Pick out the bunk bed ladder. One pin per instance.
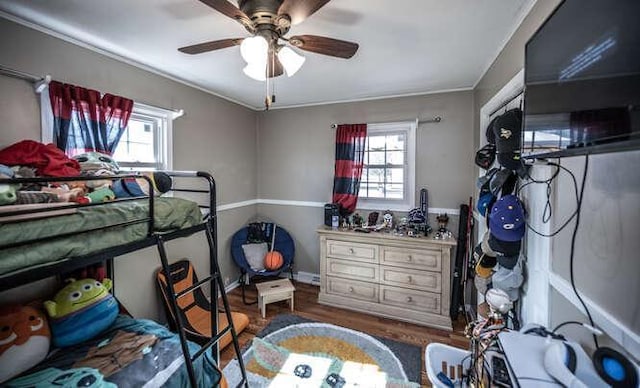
(217, 288)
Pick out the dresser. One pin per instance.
(399, 277)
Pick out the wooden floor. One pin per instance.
(307, 306)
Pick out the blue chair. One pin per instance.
(283, 243)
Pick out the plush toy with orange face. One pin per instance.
(24, 339)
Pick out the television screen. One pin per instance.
(582, 80)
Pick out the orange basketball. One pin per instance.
(273, 260)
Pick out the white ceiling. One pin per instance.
(406, 46)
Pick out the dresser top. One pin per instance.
(386, 236)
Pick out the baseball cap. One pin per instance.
(498, 180)
(491, 138)
(484, 202)
(483, 182)
(484, 262)
(485, 156)
(486, 248)
(504, 248)
(507, 129)
(506, 220)
(508, 262)
(162, 182)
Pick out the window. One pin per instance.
(388, 176)
(146, 143)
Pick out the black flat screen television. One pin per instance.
(582, 80)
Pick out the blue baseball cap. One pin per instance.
(507, 219)
(484, 201)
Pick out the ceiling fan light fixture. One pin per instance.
(254, 50)
(257, 71)
(291, 60)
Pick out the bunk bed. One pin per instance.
(37, 242)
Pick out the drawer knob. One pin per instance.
(409, 258)
(351, 250)
(351, 289)
(409, 299)
(409, 279)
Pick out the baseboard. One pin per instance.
(232, 286)
(305, 277)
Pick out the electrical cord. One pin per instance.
(573, 247)
(547, 213)
(588, 327)
(576, 214)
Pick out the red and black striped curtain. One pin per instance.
(84, 121)
(350, 143)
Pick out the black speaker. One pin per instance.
(615, 368)
(330, 210)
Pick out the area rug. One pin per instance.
(296, 352)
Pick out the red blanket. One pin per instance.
(47, 159)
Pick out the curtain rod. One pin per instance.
(39, 82)
(507, 101)
(434, 119)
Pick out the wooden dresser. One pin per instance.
(404, 278)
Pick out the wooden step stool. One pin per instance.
(274, 291)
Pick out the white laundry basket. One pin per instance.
(435, 353)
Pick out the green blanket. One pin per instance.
(170, 214)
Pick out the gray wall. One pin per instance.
(214, 135)
(296, 158)
(607, 244)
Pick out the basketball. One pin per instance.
(273, 260)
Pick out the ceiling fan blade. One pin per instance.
(324, 45)
(298, 10)
(226, 8)
(210, 46)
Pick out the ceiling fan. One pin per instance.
(268, 21)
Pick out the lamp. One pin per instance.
(291, 61)
(254, 50)
(257, 71)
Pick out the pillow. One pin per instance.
(255, 253)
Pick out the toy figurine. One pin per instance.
(357, 220)
(373, 219)
(388, 219)
(442, 219)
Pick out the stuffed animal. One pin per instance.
(81, 310)
(24, 339)
(103, 194)
(139, 187)
(7, 191)
(94, 161)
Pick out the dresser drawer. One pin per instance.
(352, 251)
(411, 278)
(426, 259)
(410, 299)
(352, 289)
(353, 270)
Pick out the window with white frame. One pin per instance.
(146, 143)
(388, 176)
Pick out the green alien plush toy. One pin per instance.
(80, 311)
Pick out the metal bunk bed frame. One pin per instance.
(209, 226)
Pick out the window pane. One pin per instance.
(395, 175)
(395, 157)
(377, 143)
(376, 158)
(394, 191)
(376, 190)
(137, 143)
(376, 175)
(395, 142)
